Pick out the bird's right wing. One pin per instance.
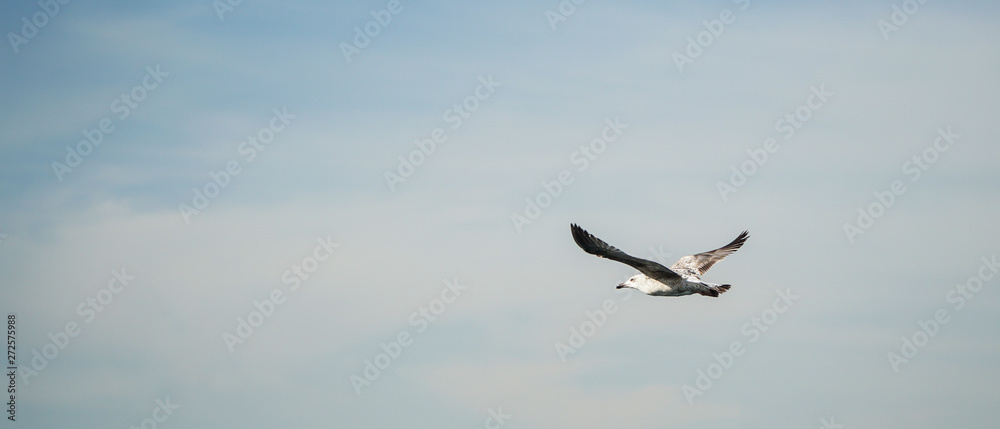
(596, 246)
(697, 264)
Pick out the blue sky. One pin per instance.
(522, 288)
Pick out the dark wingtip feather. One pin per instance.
(590, 244)
(738, 242)
(580, 236)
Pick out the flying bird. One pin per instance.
(683, 278)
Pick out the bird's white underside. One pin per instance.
(667, 287)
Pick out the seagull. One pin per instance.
(683, 278)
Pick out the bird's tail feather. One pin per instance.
(714, 291)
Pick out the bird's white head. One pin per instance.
(635, 282)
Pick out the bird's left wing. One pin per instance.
(596, 246)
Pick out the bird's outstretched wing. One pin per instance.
(699, 263)
(596, 246)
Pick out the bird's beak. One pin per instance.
(620, 286)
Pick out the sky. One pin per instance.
(303, 214)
